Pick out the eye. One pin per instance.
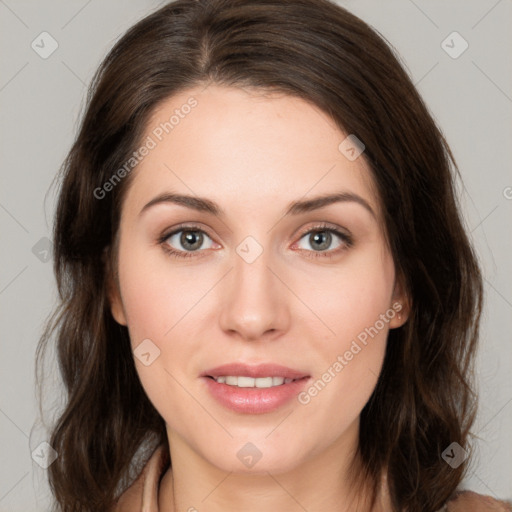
(188, 241)
(184, 241)
(321, 238)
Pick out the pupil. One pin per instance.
(318, 236)
(187, 239)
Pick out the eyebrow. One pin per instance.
(202, 204)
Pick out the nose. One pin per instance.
(254, 301)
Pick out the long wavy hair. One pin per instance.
(424, 399)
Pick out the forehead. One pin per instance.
(246, 146)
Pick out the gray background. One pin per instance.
(41, 100)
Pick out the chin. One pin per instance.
(258, 457)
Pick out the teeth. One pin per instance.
(250, 382)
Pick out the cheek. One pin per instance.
(158, 306)
(356, 306)
(161, 305)
(350, 300)
(156, 299)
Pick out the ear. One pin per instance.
(112, 288)
(400, 304)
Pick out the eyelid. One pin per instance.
(185, 226)
(322, 225)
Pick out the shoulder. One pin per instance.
(131, 499)
(142, 494)
(468, 501)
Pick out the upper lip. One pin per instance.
(255, 371)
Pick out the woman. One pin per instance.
(312, 347)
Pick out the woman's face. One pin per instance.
(251, 281)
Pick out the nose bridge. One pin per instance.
(253, 302)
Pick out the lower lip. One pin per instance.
(254, 400)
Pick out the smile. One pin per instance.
(250, 382)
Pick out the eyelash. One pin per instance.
(345, 238)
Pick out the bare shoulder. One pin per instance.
(468, 501)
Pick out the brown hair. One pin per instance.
(315, 50)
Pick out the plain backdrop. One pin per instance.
(469, 93)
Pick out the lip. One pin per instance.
(254, 400)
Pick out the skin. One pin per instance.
(253, 154)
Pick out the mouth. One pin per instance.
(251, 389)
